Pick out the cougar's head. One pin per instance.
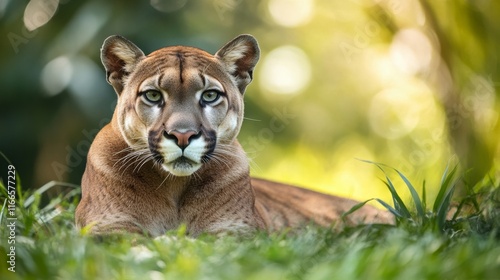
(179, 105)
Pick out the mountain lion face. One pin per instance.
(179, 106)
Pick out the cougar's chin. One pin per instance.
(181, 166)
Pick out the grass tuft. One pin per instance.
(420, 217)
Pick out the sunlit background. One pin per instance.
(412, 84)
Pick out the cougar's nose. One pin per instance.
(182, 138)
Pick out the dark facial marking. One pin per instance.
(210, 138)
(152, 146)
(181, 61)
(202, 79)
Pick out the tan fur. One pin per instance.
(160, 164)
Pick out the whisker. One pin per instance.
(254, 165)
(166, 177)
(250, 119)
(196, 176)
(143, 161)
(138, 157)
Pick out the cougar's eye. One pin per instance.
(209, 96)
(152, 96)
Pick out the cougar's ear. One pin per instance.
(119, 56)
(240, 57)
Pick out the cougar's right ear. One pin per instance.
(119, 56)
(240, 57)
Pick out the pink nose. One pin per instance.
(183, 138)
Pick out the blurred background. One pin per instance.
(412, 84)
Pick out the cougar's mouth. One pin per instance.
(183, 162)
(182, 166)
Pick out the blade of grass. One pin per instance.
(45, 188)
(56, 201)
(445, 182)
(5, 157)
(3, 210)
(424, 196)
(443, 208)
(361, 204)
(414, 194)
(398, 202)
(399, 205)
(355, 208)
(394, 201)
(389, 208)
(463, 202)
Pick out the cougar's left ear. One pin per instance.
(119, 56)
(240, 57)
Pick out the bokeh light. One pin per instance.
(56, 75)
(168, 6)
(396, 112)
(39, 12)
(285, 70)
(411, 51)
(291, 13)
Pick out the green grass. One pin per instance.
(423, 245)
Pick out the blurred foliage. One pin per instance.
(408, 83)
